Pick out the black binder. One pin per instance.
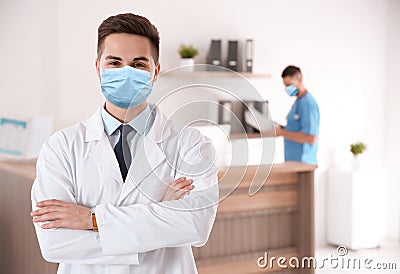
(214, 54)
(232, 62)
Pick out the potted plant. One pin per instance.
(357, 149)
(187, 53)
(356, 203)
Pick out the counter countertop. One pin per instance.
(25, 170)
(28, 170)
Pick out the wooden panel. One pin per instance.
(285, 207)
(305, 217)
(241, 177)
(20, 251)
(281, 179)
(247, 233)
(245, 266)
(286, 167)
(230, 182)
(262, 200)
(24, 170)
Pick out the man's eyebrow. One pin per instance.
(141, 58)
(113, 58)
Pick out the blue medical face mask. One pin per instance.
(292, 90)
(125, 87)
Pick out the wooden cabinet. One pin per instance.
(19, 248)
(278, 219)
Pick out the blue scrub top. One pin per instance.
(303, 117)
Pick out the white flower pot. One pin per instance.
(186, 64)
(358, 162)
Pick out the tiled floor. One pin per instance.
(388, 253)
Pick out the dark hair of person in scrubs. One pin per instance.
(290, 71)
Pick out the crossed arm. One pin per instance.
(60, 214)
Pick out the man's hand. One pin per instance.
(279, 131)
(178, 189)
(61, 214)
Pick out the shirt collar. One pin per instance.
(138, 123)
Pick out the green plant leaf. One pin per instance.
(187, 51)
(357, 148)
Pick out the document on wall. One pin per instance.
(12, 136)
(22, 139)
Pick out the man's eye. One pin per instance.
(139, 65)
(113, 63)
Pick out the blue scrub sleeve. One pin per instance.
(309, 118)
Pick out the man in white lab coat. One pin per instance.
(127, 190)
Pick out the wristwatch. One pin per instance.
(94, 222)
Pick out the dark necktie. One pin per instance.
(122, 151)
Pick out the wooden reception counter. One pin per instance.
(19, 249)
(278, 219)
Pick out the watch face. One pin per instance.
(93, 210)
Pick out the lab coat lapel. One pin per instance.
(102, 151)
(146, 161)
(108, 164)
(148, 156)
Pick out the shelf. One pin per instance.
(214, 74)
(220, 85)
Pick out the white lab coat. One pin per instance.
(137, 232)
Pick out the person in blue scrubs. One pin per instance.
(302, 129)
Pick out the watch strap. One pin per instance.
(94, 221)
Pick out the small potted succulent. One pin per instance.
(356, 149)
(187, 53)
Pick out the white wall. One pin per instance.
(392, 114)
(341, 46)
(29, 57)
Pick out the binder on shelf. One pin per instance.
(232, 113)
(232, 62)
(214, 54)
(248, 55)
(224, 112)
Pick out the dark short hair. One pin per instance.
(290, 71)
(131, 24)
